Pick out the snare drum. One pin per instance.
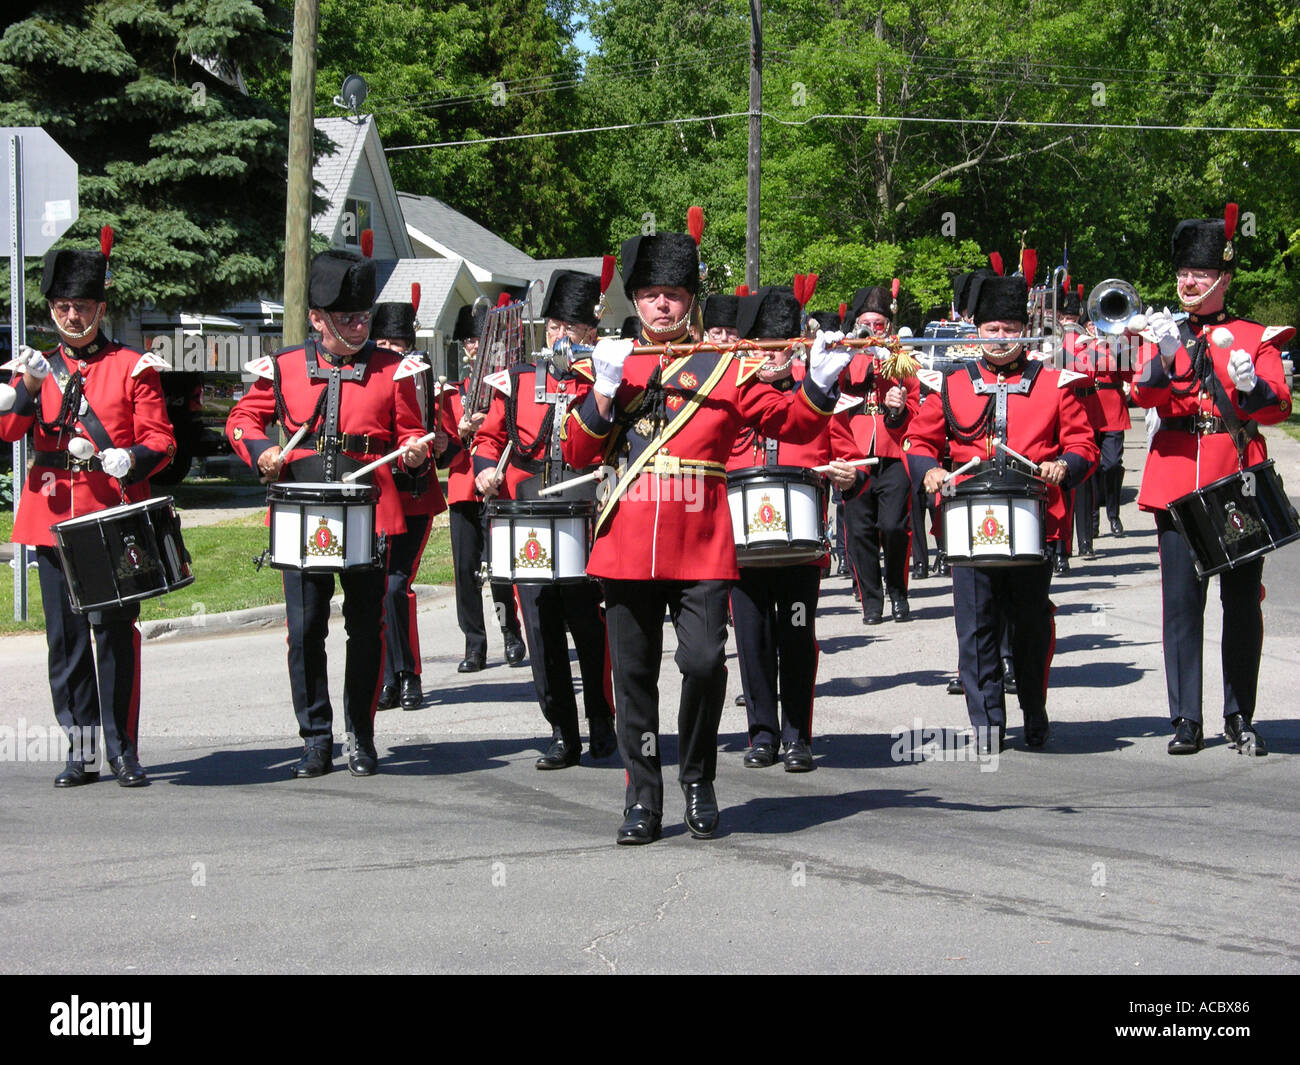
(778, 515)
(988, 523)
(539, 541)
(1236, 519)
(323, 525)
(123, 554)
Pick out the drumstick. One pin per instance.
(855, 462)
(349, 477)
(598, 474)
(1016, 455)
(961, 469)
(505, 457)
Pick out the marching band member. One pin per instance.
(90, 388)
(1078, 356)
(879, 516)
(343, 388)
(530, 426)
(393, 328)
(664, 537)
(1211, 401)
(466, 521)
(1024, 404)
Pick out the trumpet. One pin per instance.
(1112, 305)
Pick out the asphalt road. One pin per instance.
(1100, 854)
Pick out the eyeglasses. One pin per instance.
(1196, 275)
(360, 318)
(82, 307)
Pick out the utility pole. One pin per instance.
(755, 141)
(297, 215)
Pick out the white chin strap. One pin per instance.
(329, 324)
(88, 331)
(676, 327)
(1191, 302)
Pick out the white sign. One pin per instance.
(49, 190)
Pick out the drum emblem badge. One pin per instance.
(991, 531)
(324, 544)
(1238, 525)
(532, 555)
(134, 561)
(767, 517)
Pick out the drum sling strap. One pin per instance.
(1204, 364)
(669, 430)
(1000, 390)
(88, 418)
(333, 375)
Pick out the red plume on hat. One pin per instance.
(695, 223)
(415, 296)
(995, 261)
(844, 309)
(1080, 291)
(367, 242)
(809, 286)
(606, 276)
(1229, 229)
(1028, 264)
(503, 299)
(106, 241)
(893, 297)
(742, 290)
(798, 288)
(1065, 284)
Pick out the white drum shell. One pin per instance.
(539, 548)
(777, 519)
(333, 533)
(993, 528)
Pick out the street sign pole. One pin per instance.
(17, 337)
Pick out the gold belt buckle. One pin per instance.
(667, 465)
(1204, 424)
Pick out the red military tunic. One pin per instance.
(1180, 461)
(430, 500)
(1079, 357)
(1102, 360)
(124, 392)
(872, 436)
(1043, 424)
(530, 415)
(672, 522)
(376, 406)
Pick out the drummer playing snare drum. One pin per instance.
(1004, 397)
(107, 398)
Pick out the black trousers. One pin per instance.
(880, 516)
(1110, 473)
(926, 517)
(982, 599)
(307, 595)
(634, 617)
(773, 611)
(402, 644)
(1083, 502)
(467, 543)
(547, 610)
(1183, 596)
(94, 667)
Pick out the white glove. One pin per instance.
(7, 398)
(34, 362)
(608, 357)
(1241, 370)
(116, 462)
(1165, 331)
(825, 361)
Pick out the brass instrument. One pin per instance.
(502, 344)
(1112, 305)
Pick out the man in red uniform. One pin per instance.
(344, 389)
(879, 516)
(393, 328)
(93, 389)
(664, 538)
(1211, 400)
(528, 417)
(466, 520)
(774, 608)
(1028, 407)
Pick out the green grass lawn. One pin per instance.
(224, 575)
(1292, 425)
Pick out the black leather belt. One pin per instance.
(1205, 425)
(1091, 390)
(1110, 385)
(63, 460)
(354, 443)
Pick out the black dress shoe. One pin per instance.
(516, 650)
(701, 809)
(984, 738)
(1096, 524)
(388, 697)
(941, 567)
(900, 610)
(639, 826)
(560, 755)
(75, 774)
(603, 740)
(128, 772)
(760, 756)
(1036, 728)
(874, 619)
(364, 759)
(1009, 677)
(955, 687)
(315, 762)
(798, 757)
(472, 664)
(1188, 738)
(920, 571)
(1116, 527)
(1242, 735)
(1061, 564)
(411, 695)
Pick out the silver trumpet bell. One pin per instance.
(1112, 305)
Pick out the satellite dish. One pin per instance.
(353, 93)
